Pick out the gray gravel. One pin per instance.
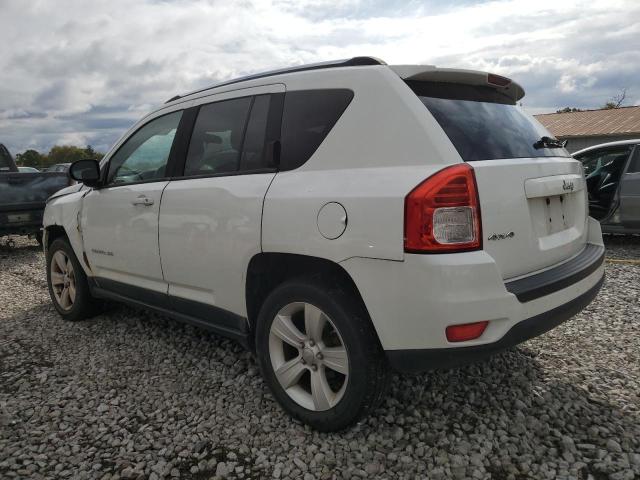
(625, 247)
(134, 395)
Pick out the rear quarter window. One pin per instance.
(307, 118)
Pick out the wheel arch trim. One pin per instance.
(268, 270)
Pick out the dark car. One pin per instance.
(23, 196)
(612, 172)
(59, 167)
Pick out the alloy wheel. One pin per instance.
(63, 280)
(308, 356)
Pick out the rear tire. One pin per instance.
(331, 370)
(68, 284)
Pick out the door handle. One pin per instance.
(142, 200)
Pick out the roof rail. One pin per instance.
(350, 62)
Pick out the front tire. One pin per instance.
(68, 285)
(319, 354)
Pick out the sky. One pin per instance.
(82, 72)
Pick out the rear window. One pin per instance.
(307, 118)
(483, 125)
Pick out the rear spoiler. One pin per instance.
(430, 73)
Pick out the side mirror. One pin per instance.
(86, 171)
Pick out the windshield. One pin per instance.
(488, 130)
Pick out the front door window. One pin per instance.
(144, 156)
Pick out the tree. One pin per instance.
(616, 101)
(568, 110)
(65, 154)
(91, 153)
(30, 158)
(57, 154)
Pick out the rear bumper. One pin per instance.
(411, 303)
(419, 360)
(21, 222)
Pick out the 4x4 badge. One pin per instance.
(501, 236)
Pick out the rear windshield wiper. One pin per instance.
(548, 142)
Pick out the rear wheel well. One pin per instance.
(268, 270)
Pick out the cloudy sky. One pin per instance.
(81, 72)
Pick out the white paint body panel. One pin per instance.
(63, 211)
(120, 238)
(209, 231)
(546, 233)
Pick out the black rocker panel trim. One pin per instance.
(202, 315)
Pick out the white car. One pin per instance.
(338, 219)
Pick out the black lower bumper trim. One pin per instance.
(557, 278)
(420, 360)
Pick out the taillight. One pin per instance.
(442, 214)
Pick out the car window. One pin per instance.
(483, 125)
(216, 141)
(594, 162)
(634, 164)
(144, 156)
(253, 154)
(308, 117)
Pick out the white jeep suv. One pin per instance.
(338, 219)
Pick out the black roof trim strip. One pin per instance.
(350, 62)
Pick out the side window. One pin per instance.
(634, 165)
(144, 156)
(307, 118)
(610, 161)
(216, 141)
(589, 162)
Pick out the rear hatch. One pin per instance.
(532, 193)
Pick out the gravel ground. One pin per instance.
(134, 395)
(621, 247)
